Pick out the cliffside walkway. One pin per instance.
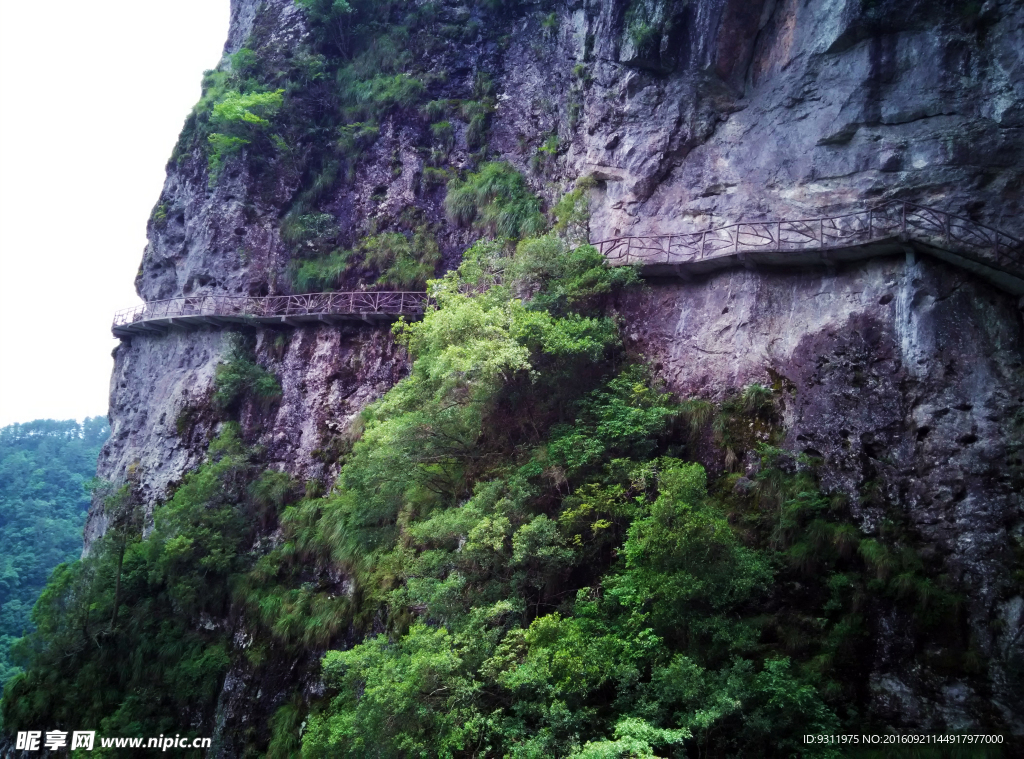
(889, 228)
(156, 317)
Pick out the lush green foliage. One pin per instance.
(240, 377)
(563, 279)
(124, 637)
(321, 274)
(239, 119)
(404, 260)
(232, 115)
(329, 98)
(556, 580)
(520, 552)
(45, 468)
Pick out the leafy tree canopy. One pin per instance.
(46, 467)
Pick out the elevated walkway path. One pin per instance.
(885, 229)
(157, 317)
(889, 228)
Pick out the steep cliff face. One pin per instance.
(778, 111)
(904, 376)
(904, 379)
(782, 109)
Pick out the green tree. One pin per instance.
(125, 638)
(46, 467)
(240, 119)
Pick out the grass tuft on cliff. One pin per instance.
(495, 199)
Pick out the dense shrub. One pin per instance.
(321, 274)
(240, 378)
(530, 561)
(403, 261)
(240, 119)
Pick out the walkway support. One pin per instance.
(291, 310)
(882, 230)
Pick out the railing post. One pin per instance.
(821, 232)
(778, 235)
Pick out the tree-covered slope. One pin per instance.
(45, 467)
(522, 557)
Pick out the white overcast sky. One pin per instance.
(92, 98)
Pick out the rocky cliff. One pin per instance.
(903, 375)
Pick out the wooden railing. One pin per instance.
(276, 308)
(892, 220)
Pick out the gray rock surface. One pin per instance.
(836, 104)
(161, 394)
(905, 376)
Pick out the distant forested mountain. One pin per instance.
(45, 469)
